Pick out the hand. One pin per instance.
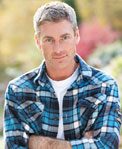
(89, 134)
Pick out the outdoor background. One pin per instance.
(100, 25)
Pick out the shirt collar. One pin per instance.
(41, 76)
(84, 71)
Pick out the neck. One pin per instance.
(62, 74)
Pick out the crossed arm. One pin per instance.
(40, 142)
(105, 122)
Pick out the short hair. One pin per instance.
(54, 12)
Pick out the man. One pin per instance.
(64, 103)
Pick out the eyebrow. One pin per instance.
(47, 37)
(60, 36)
(65, 34)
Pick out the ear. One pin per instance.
(37, 41)
(77, 36)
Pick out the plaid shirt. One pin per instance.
(90, 103)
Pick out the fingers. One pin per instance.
(89, 134)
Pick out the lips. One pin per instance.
(59, 57)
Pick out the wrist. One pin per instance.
(60, 144)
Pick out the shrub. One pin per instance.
(103, 55)
(109, 59)
(93, 34)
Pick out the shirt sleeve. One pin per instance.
(105, 122)
(16, 129)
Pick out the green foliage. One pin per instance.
(109, 11)
(109, 59)
(17, 47)
(116, 71)
(104, 54)
(73, 5)
(18, 51)
(117, 66)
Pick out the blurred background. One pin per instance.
(100, 25)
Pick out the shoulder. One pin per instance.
(99, 77)
(105, 86)
(21, 88)
(24, 81)
(94, 75)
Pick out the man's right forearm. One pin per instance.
(40, 142)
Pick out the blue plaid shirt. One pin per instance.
(90, 103)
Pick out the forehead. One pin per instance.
(56, 28)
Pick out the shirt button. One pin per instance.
(55, 118)
(85, 79)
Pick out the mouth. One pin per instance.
(59, 57)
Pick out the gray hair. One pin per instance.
(54, 12)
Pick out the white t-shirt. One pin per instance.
(60, 88)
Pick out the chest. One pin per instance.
(76, 111)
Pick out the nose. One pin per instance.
(57, 47)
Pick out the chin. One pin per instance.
(61, 66)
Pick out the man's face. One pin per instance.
(58, 42)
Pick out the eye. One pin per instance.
(65, 37)
(48, 40)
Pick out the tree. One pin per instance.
(17, 47)
(72, 4)
(107, 12)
